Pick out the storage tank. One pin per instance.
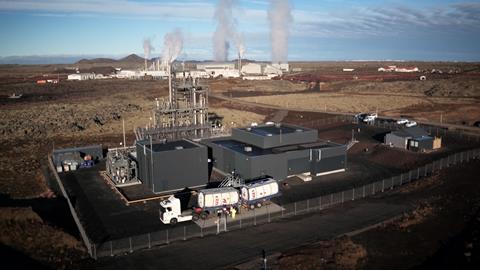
(217, 197)
(261, 190)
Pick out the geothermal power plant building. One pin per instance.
(279, 151)
(172, 165)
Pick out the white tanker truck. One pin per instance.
(214, 200)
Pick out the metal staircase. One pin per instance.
(232, 181)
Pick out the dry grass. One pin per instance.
(341, 253)
(23, 230)
(237, 118)
(338, 102)
(417, 216)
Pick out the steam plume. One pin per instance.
(147, 47)
(280, 18)
(172, 46)
(225, 32)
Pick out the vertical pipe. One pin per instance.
(151, 165)
(124, 140)
(169, 71)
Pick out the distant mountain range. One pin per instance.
(132, 59)
(68, 59)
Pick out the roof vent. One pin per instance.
(247, 149)
(178, 147)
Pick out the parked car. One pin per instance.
(402, 121)
(411, 124)
(370, 117)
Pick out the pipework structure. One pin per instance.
(183, 115)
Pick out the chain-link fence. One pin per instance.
(183, 232)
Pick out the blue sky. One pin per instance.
(320, 30)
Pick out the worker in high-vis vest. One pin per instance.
(233, 212)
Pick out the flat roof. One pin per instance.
(414, 132)
(169, 146)
(239, 147)
(270, 130)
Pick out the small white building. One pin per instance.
(272, 70)
(406, 69)
(284, 67)
(128, 74)
(256, 77)
(81, 76)
(226, 73)
(202, 74)
(348, 69)
(216, 65)
(252, 68)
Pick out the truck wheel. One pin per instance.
(203, 215)
(252, 206)
(259, 205)
(173, 221)
(195, 217)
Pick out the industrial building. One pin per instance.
(414, 139)
(213, 69)
(279, 151)
(81, 76)
(284, 67)
(174, 165)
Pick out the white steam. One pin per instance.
(280, 18)
(172, 46)
(226, 31)
(147, 47)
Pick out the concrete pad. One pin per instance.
(244, 214)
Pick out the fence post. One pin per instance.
(130, 240)
(401, 179)
(391, 188)
(111, 249)
(295, 208)
(184, 233)
(149, 241)
(353, 194)
(320, 203)
(308, 205)
(268, 211)
(331, 199)
(373, 188)
(343, 196)
(383, 185)
(167, 238)
(363, 191)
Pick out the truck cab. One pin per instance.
(171, 211)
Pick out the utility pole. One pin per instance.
(124, 140)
